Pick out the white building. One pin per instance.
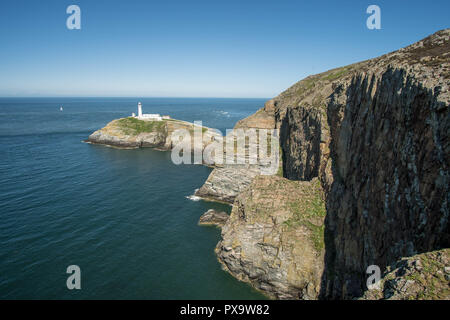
(147, 116)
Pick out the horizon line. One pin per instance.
(134, 97)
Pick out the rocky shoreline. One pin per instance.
(364, 181)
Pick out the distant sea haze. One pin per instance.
(123, 216)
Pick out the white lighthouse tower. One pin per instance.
(139, 110)
(147, 116)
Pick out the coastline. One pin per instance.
(347, 191)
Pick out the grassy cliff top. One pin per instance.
(135, 126)
(427, 60)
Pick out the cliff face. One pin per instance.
(301, 136)
(390, 153)
(376, 135)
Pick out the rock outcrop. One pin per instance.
(213, 218)
(274, 237)
(227, 181)
(424, 276)
(224, 184)
(261, 119)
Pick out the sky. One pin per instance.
(195, 48)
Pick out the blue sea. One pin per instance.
(122, 216)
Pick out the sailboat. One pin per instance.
(61, 108)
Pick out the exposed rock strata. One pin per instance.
(382, 157)
(226, 183)
(390, 192)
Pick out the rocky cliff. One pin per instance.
(376, 135)
(365, 181)
(273, 238)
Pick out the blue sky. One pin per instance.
(195, 48)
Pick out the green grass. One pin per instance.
(308, 209)
(133, 126)
(280, 170)
(305, 85)
(336, 75)
(317, 236)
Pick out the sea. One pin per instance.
(126, 218)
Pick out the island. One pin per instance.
(144, 131)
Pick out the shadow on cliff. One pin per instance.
(389, 197)
(300, 133)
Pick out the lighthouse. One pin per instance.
(139, 110)
(147, 116)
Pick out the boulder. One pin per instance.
(214, 218)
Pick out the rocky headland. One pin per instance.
(364, 180)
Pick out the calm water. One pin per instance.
(121, 215)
